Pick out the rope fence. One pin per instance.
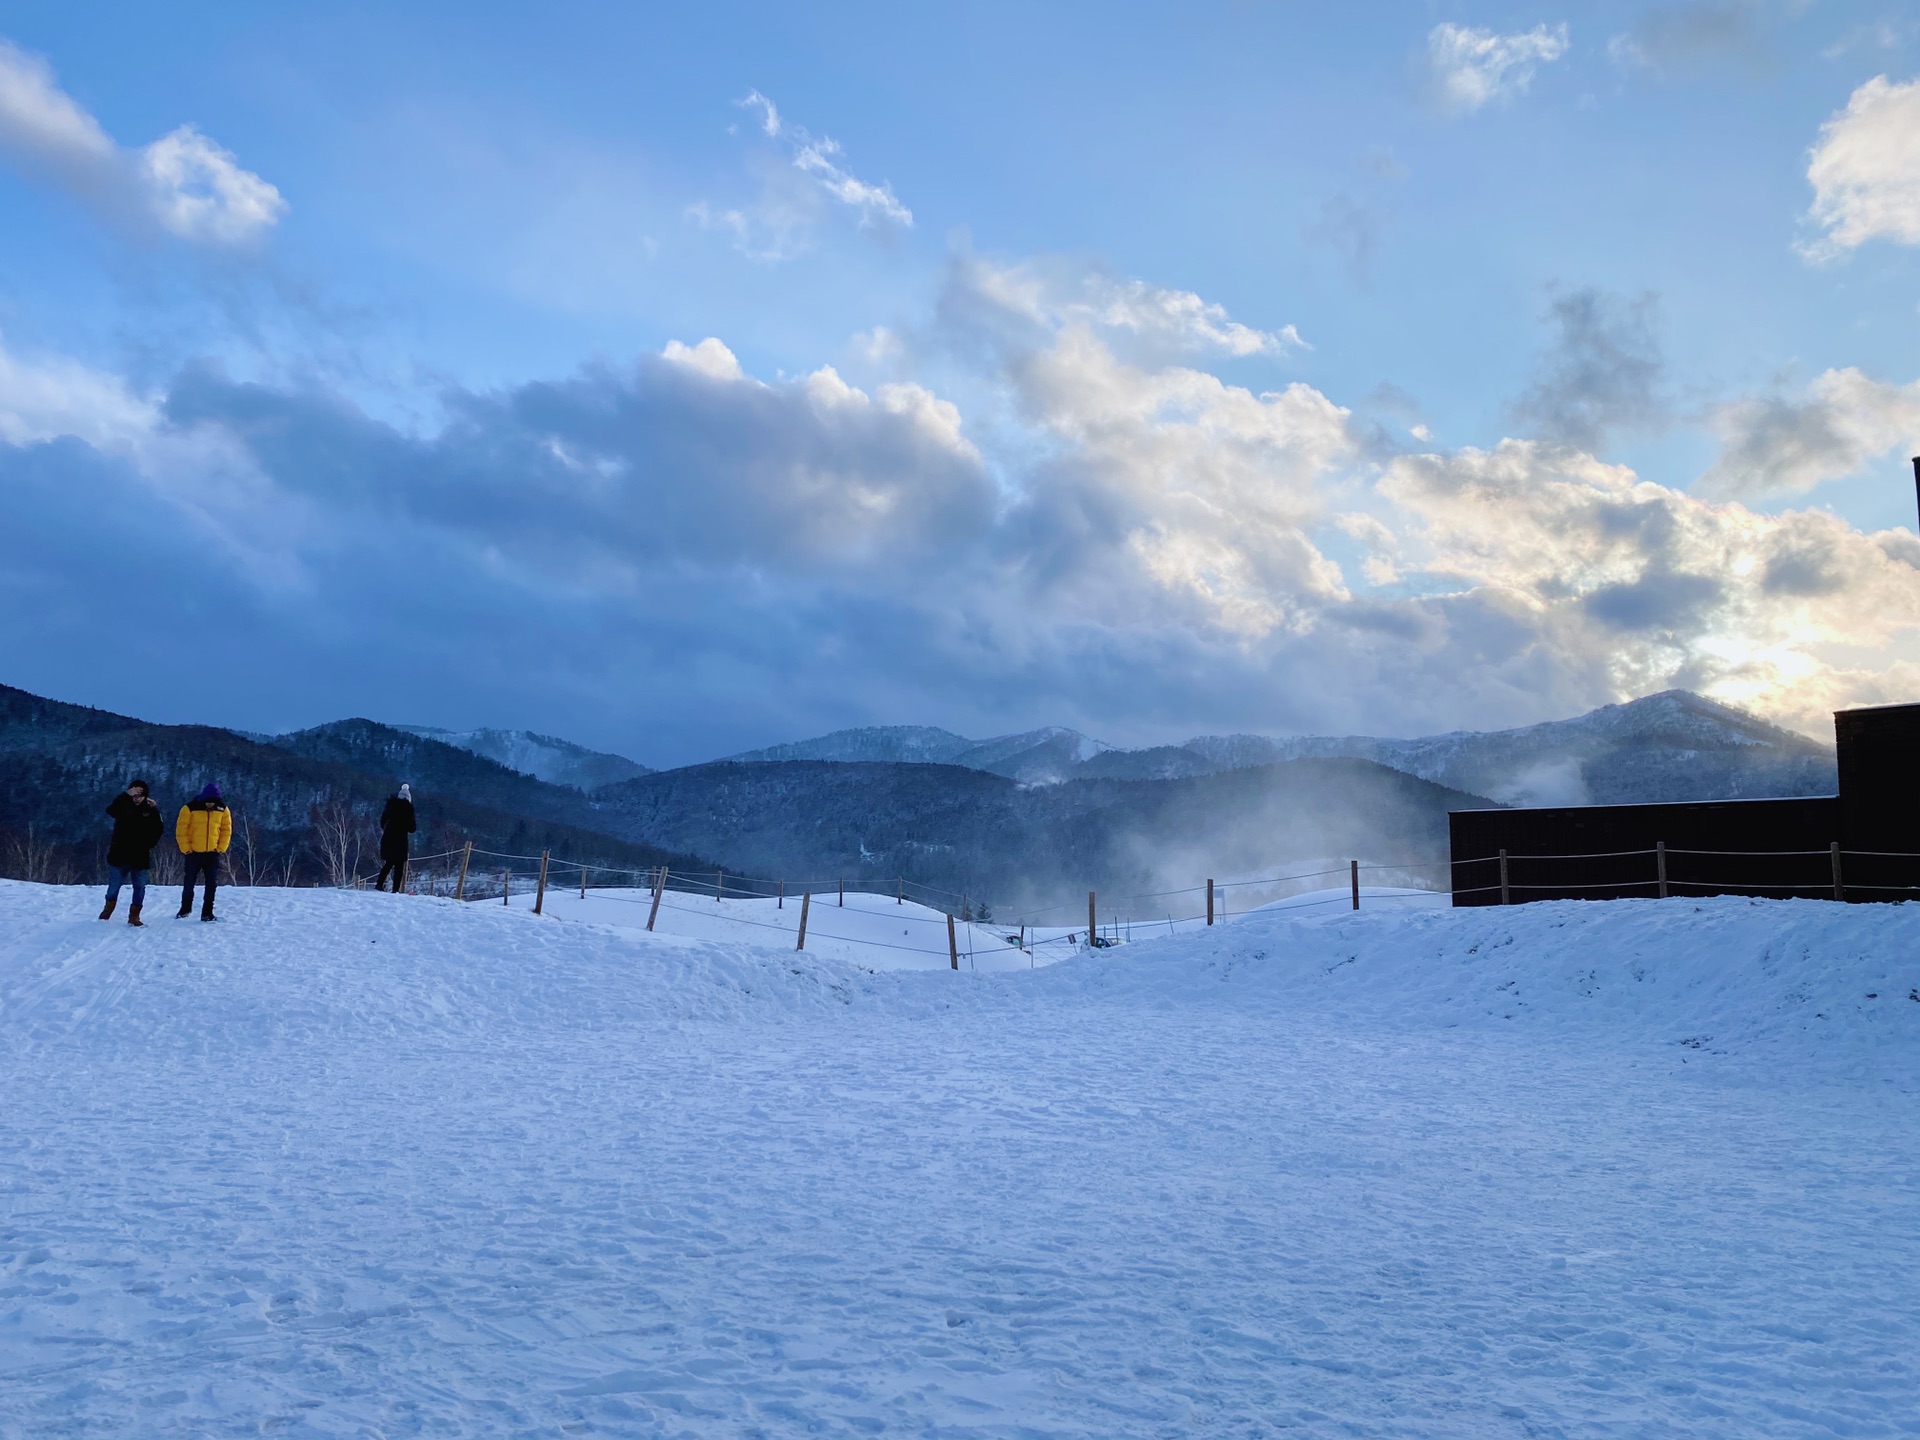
(471, 873)
(1765, 872)
(474, 874)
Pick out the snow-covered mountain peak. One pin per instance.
(545, 757)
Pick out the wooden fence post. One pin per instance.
(953, 945)
(806, 900)
(719, 884)
(506, 884)
(1092, 929)
(900, 891)
(1023, 934)
(1356, 882)
(659, 888)
(583, 882)
(843, 892)
(1209, 902)
(540, 894)
(1506, 895)
(1839, 890)
(781, 903)
(460, 890)
(1660, 865)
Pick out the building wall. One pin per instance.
(1572, 852)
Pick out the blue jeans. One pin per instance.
(116, 877)
(196, 866)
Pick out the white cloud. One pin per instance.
(1774, 446)
(183, 182)
(818, 158)
(41, 121)
(709, 358)
(1474, 67)
(1052, 293)
(1865, 171)
(1183, 317)
(822, 159)
(42, 398)
(199, 193)
(769, 114)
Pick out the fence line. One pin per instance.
(664, 881)
(1832, 879)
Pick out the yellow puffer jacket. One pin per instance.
(203, 828)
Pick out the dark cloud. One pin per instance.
(1656, 601)
(1723, 32)
(1774, 445)
(1351, 228)
(1603, 372)
(1804, 565)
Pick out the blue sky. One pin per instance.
(684, 382)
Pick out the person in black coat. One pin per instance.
(396, 824)
(137, 828)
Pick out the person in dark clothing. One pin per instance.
(396, 824)
(137, 828)
(203, 831)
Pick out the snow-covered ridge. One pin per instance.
(1671, 746)
(545, 757)
(1034, 756)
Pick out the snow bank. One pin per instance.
(355, 1164)
(1803, 982)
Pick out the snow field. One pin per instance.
(355, 1164)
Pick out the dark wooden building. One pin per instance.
(1862, 844)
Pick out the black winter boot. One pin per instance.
(186, 909)
(133, 916)
(106, 912)
(206, 913)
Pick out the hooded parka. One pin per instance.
(205, 827)
(137, 828)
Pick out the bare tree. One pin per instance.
(29, 857)
(246, 859)
(338, 838)
(168, 867)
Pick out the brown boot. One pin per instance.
(133, 916)
(106, 912)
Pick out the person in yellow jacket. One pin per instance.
(203, 832)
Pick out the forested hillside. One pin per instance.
(299, 817)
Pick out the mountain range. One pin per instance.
(1015, 818)
(1671, 746)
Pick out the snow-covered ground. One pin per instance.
(876, 932)
(364, 1165)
